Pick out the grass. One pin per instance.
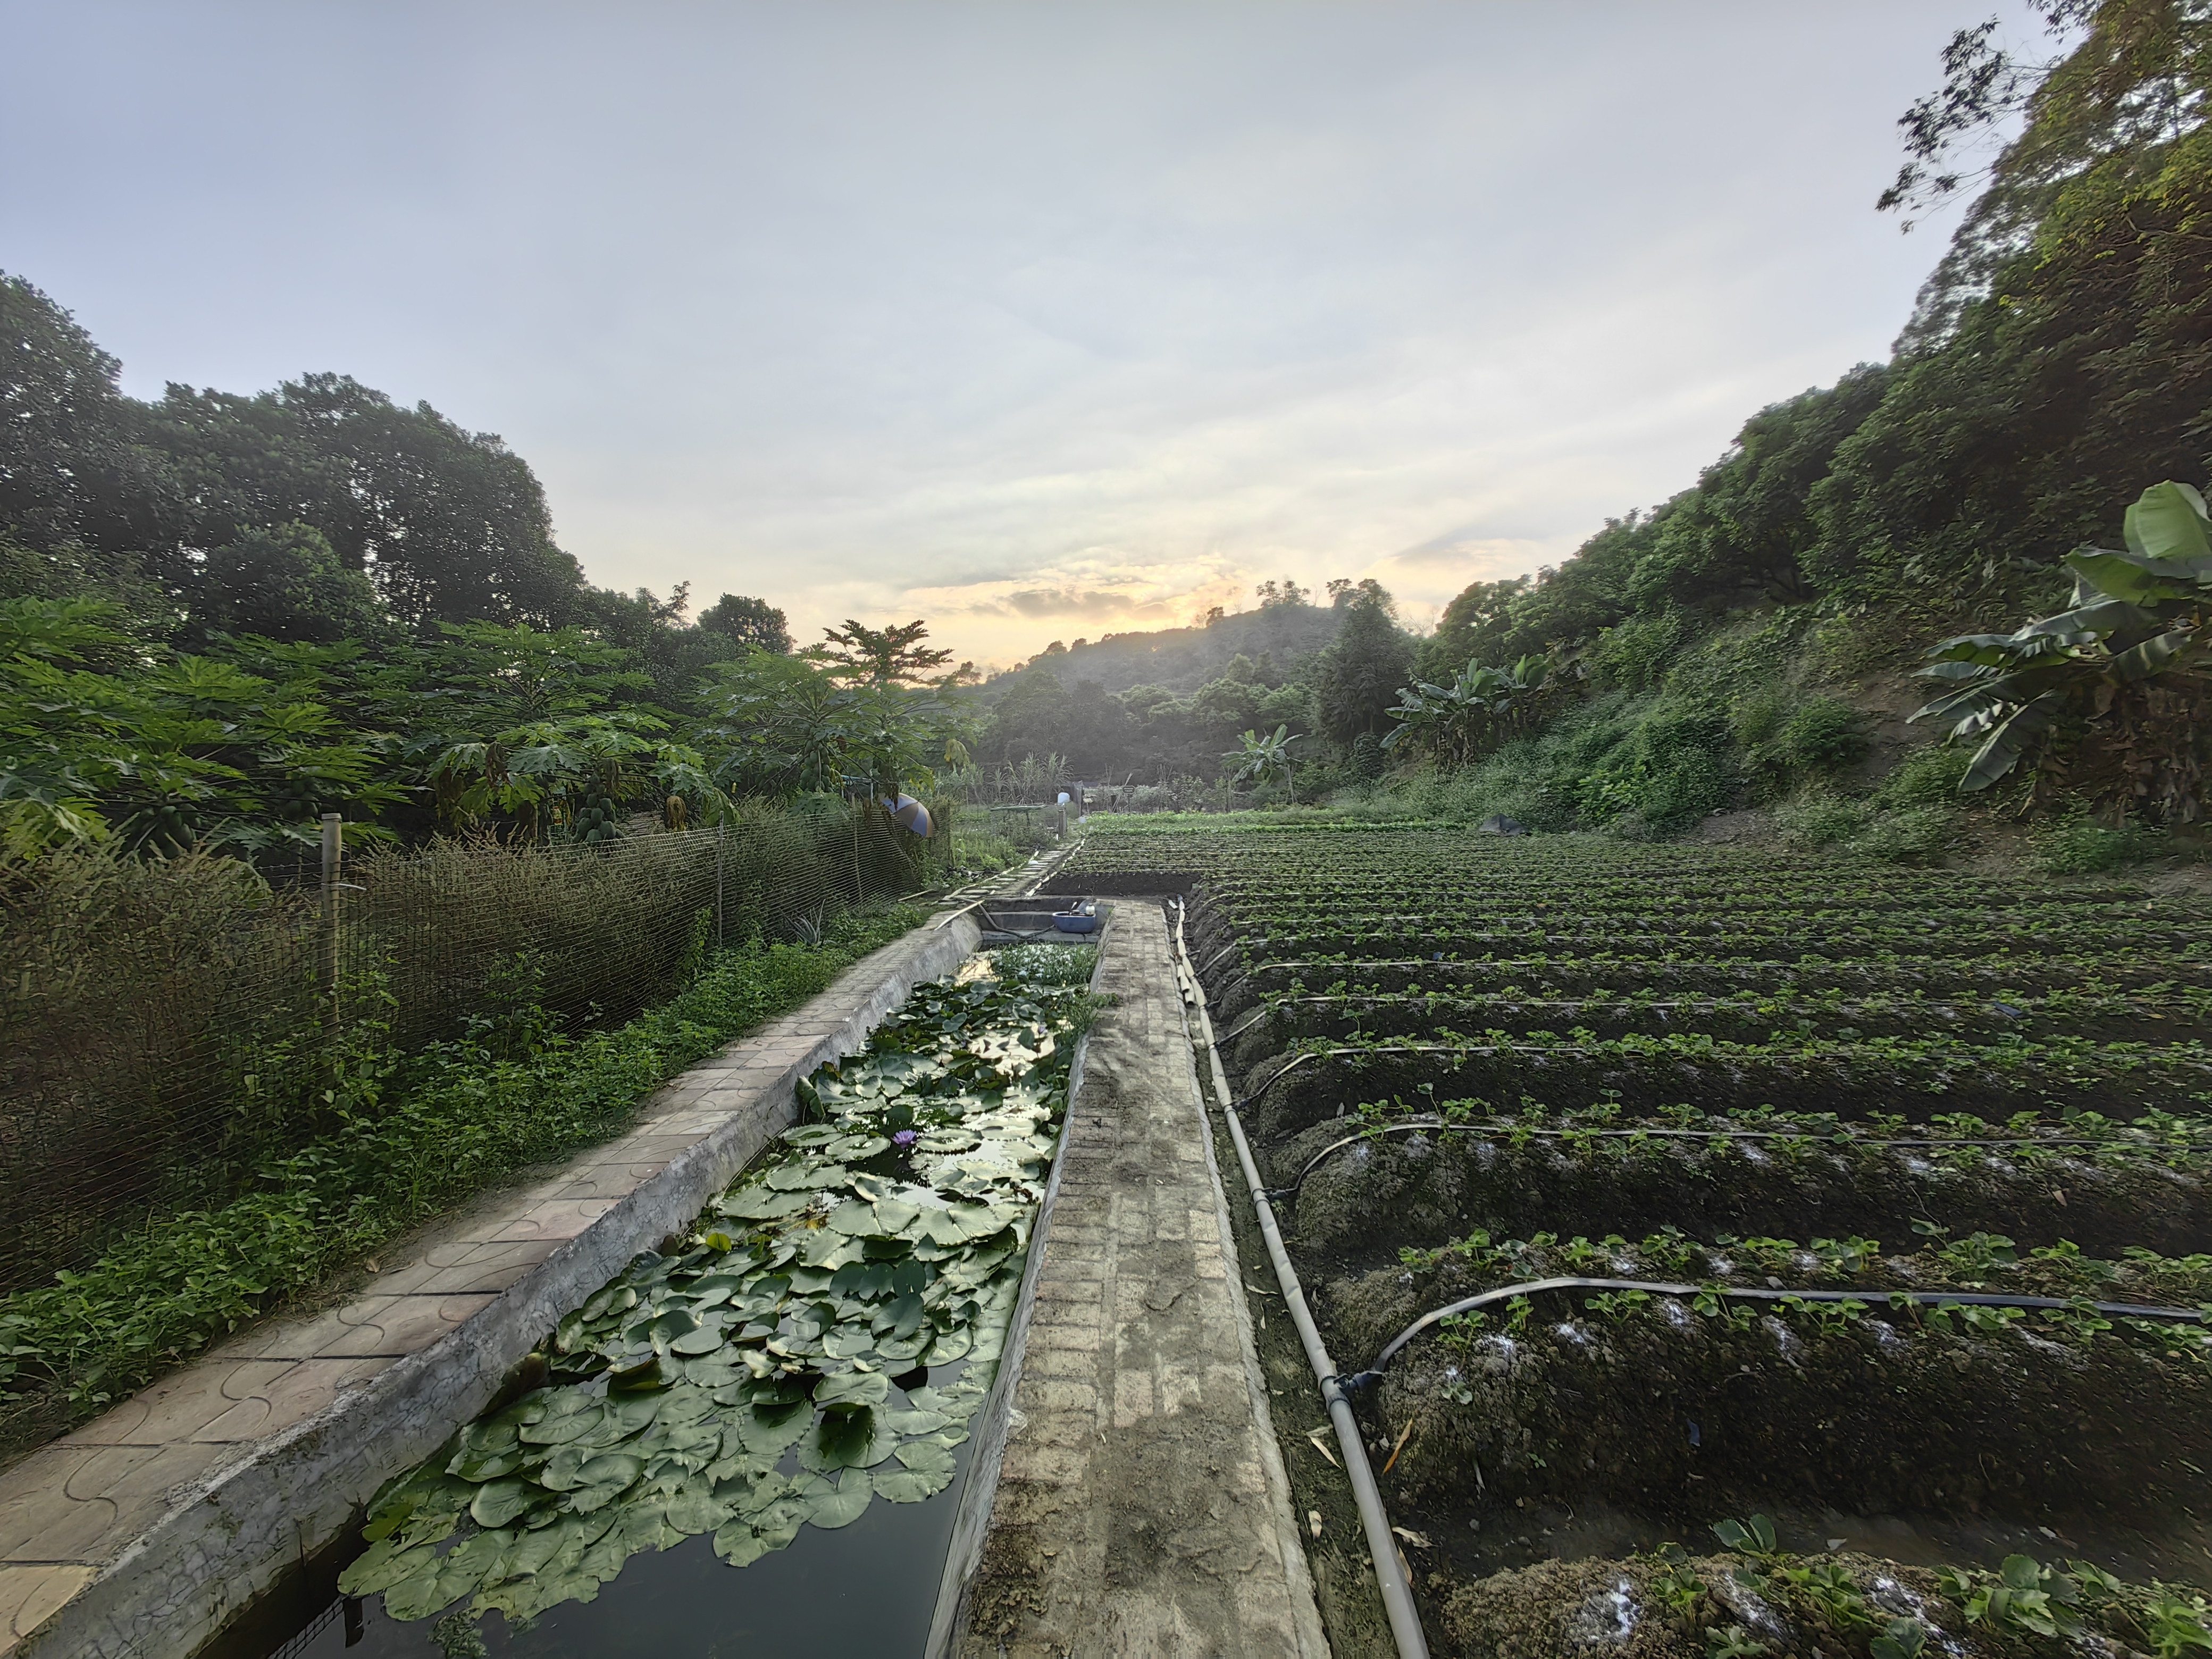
(417, 1134)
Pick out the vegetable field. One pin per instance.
(1734, 1254)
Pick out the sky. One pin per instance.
(1039, 321)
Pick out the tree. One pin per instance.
(1357, 678)
(286, 583)
(748, 621)
(76, 467)
(784, 725)
(2128, 655)
(451, 525)
(881, 656)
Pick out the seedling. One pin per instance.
(2022, 1594)
(1733, 1643)
(1901, 1638)
(1754, 1538)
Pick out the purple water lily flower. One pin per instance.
(905, 1137)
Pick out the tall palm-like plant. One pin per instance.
(1265, 759)
(1479, 704)
(2140, 614)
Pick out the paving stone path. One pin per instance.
(1141, 1506)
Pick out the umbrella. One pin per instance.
(909, 813)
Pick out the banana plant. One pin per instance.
(2138, 612)
(1455, 718)
(1264, 757)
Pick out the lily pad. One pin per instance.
(838, 1504)
(382, 1565)
(854, 1387)
(762, 1204)
(853, 1148)
(928, 1470)
(952, 1347)
(899, 1349)
(424, 1594)
(803, 1175)
(772, 1431)
(695, 1508)
(848, 1440)
(744, 1539)
(498, 1501)
(485, 1466)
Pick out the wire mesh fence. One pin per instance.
(157, 1016)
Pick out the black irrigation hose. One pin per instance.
(1926, 1299)
(1416, 1126)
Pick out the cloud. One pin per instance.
(1017, 318)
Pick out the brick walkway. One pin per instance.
(141, 1532)
(1141, 1506)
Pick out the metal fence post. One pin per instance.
(333, 849)
(721, 837)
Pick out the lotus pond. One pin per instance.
(756, 1433)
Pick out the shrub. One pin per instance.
(1914, 834)
(1823, 735)
(1821, 820)
(417, 1134)
(2080, 846)
(1928, 776)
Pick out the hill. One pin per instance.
(1185, 658)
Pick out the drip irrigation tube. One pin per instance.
(1390, 1575)
(1214, 959)
(1838, 1138)
(1373, 1373)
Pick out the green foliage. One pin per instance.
(2137, 613)
(2078, 847)
(1928, 776)
(1814, 821)
(413, 1135)
(1359, 676)
(782, 725)
(1914, 834)
(747, 622)
(1263, 760)
(1481, 707)
(1823, 734)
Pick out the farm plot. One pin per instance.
(1738, 1254)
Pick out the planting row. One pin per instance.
(1915, 1077)
(817, 1342)
(1748, 1016)
(1372, 1183)
(1243, 986)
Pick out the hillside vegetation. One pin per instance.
(1753, 640)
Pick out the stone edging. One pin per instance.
(145, 1530)
(964, 1552)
